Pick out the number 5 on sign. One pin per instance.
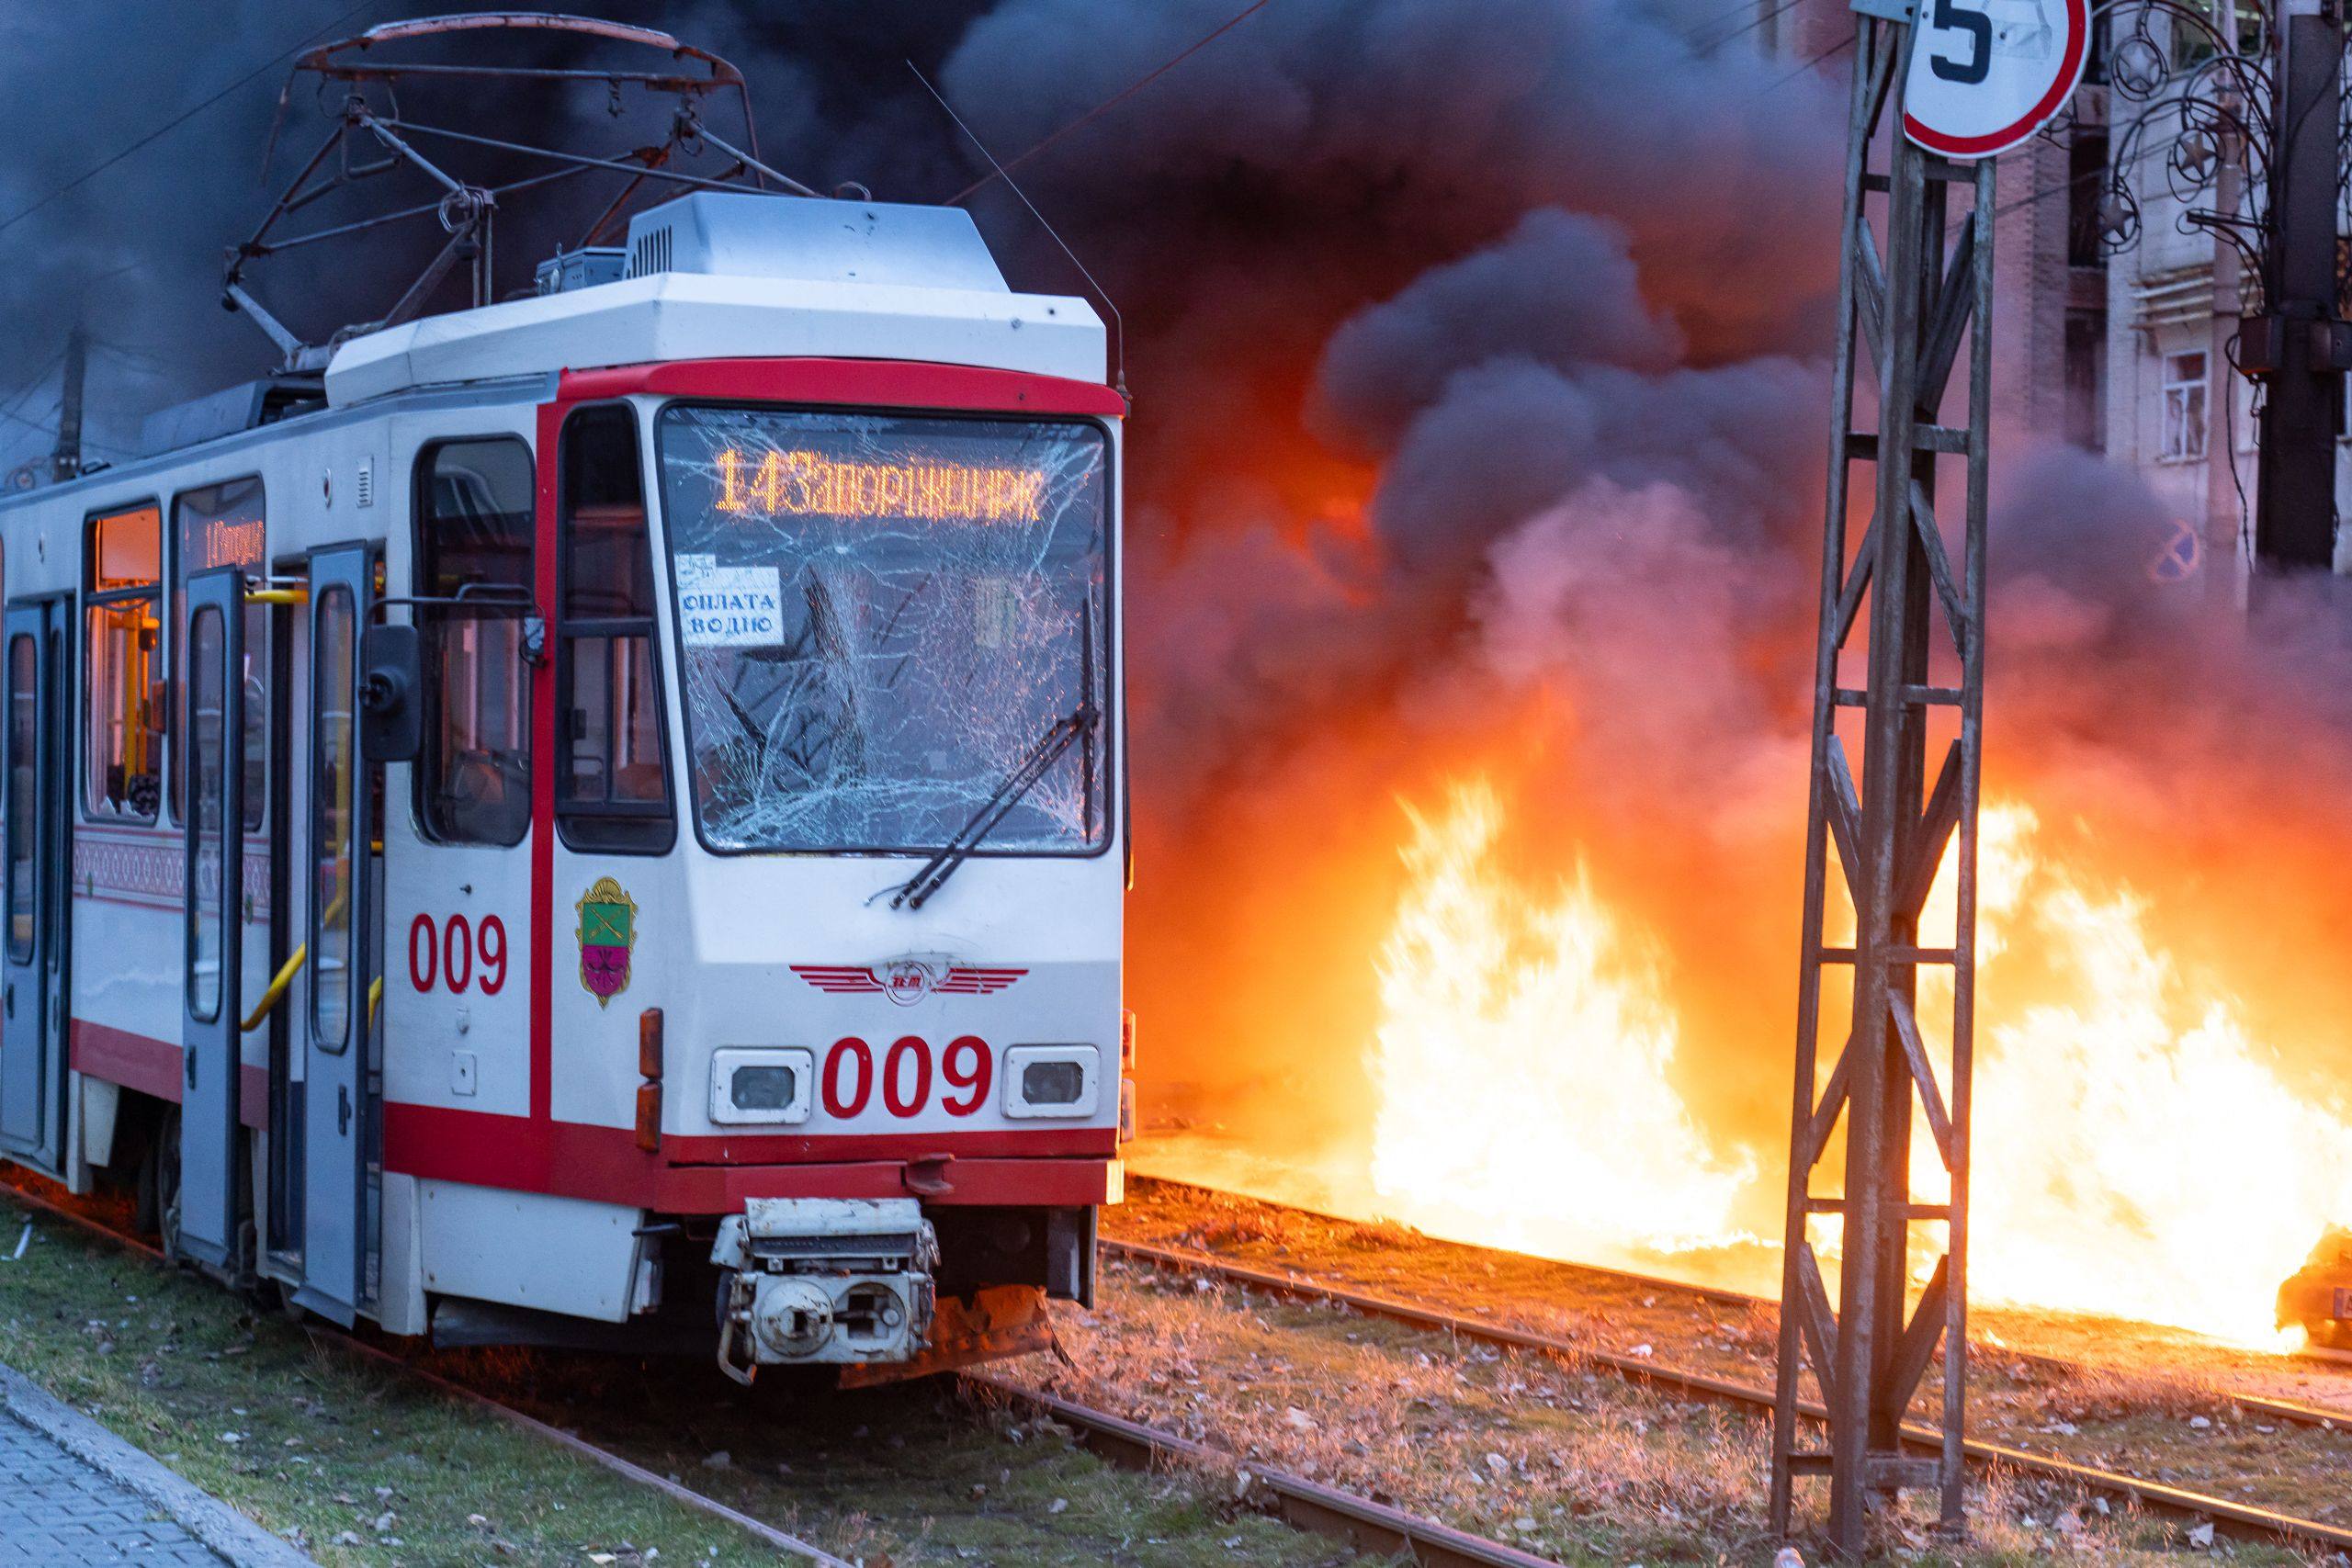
(1986, 74)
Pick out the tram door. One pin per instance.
(212, 1169)
(340, 1121)
(32, 957)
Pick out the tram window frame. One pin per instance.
(435, 807)
(210, 909)
(23, 830)
(1111, 785)
(98, 602)
(256, 657)
(606, 825)
(331, 969)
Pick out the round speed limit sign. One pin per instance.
(1986, 74)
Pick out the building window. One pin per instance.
(2184, 412)
(474, 543)
(2086, 187)
(222, 525)
(123, 737)
(613, 789)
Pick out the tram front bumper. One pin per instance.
(819, 1281)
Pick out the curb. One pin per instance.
(219, 1527)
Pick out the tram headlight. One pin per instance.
(752, 1084)
(764, 1088)
(1052, 1083)
(1052, 1080)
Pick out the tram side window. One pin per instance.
(222, 525)
(613, 792)
(24, 782)
(473, 527)
(123, 738)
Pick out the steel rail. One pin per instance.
(1722, 1295)
(2293, 1412)
(759, 1529)
(1356, 1521)
(2238, 1519)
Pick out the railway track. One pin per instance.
(2287, 1411)
(2225, 1514)
(1355, 1521)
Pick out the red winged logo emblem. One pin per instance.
(907, 981)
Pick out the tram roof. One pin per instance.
(675, 316)
(712, 275)
(733, 274)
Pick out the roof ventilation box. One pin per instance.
(744, 235)
(583, 268)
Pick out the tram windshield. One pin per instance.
(891, 628)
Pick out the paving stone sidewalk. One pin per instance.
(74, 1495)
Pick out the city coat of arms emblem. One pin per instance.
(608, 931)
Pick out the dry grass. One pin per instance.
(2109, 1394)
(1543, 1454)
(2150, 1406)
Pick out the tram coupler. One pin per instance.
(824, 1280)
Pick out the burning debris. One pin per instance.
(2318, 1298)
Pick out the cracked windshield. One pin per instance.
(887, 625)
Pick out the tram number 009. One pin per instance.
(903, 1075)
(459, 954)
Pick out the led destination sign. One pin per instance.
(802, 483)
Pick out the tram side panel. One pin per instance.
(498, 1214)
(40, 1108)
(120, 727)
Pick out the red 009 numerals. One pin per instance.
(904, 1073)
(458, 953)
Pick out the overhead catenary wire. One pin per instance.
(49, 428)
(177, 120)
(1129, 91)
(17, 399)
(1806, 66)
(1118, 323)
(1708, 46)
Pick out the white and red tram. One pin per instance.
(606, 825)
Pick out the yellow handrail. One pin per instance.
(276, 992)
(277, 595)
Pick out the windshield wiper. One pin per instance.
(1063, 733)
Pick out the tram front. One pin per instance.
(889, 1050)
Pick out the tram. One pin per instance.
(597, 819)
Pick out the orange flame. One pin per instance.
(1524, 1064)
(2136, 1152)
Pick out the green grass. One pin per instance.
(373, 1467)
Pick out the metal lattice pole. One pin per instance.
(1895, 611)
